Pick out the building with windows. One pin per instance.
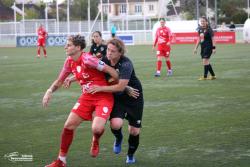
(135, 9)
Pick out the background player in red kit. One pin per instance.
(88, 71)
(163, 39)
(41, 40)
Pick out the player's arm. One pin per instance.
(213, 42)
(56, 84)
(156, 40)
(197, 45)
(94, 62)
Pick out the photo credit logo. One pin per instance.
(16, 157)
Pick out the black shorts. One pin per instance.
(206, 52)
(131, 111)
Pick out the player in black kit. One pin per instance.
(207, 48)
(126, 106)
(98, 47)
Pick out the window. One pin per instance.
(138, 9)
(151, 7)
(123, 8)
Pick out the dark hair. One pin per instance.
(118, 44)
(98, 32)
(208, 23)
(162, 18)
(78, 40)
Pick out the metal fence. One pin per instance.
(142, 31)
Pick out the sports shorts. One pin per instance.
(130, 111)
(102, 106)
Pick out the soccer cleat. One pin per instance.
(157, 74)
(56, 163)
(130, 159)
(212, 77)
(170, 72)
(94, 150)
(45, 56)
(202, 79)
(117, 148)
(38, 56)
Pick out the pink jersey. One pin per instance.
(41, 33)
(84, 74)
(162, 37)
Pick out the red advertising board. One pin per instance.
(191, 37)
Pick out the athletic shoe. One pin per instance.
(45, 56)
(212, 77)
(170, 72)
(117, 148)
(94, 150)
(56, 163)
(157, 74)
(202, 79)
(130, 159)
(38, 56)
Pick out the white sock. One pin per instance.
(63, 159)
(158, 72)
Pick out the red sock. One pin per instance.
(159, 63)
(168, 63)
(38, 51)
(44, 51)
(66, 140)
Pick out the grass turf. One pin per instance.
(186, 123)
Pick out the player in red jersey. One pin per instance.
(163, 40)
(41, 40)
(88, 71)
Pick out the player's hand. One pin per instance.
(67, 83)
(153, 48)
(94, 89)
(46, 98)
(195, 51)
(214, 51)
(132, 92)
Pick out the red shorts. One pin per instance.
(101, 105)
(163, 51)
(41, 42)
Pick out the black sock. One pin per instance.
(133, 143)
(206, 68)
(211, 70)
(117, 134)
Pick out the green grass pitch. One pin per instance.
(186, 122)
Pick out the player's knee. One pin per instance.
(134, 131)
(116, 123)
(97, 130)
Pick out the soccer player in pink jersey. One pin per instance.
(163, 40)
(41, 40)
(88, 71)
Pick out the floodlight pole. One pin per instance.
(101, 16)
(68, 17)
(248, 10)
(23, 18)
(15, 18)
(207, 8)
(57, 16)
(46, 15)
(215, 6)
(127, 7)
(197, 11)
(89, 17)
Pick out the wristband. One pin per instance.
(214, 47)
